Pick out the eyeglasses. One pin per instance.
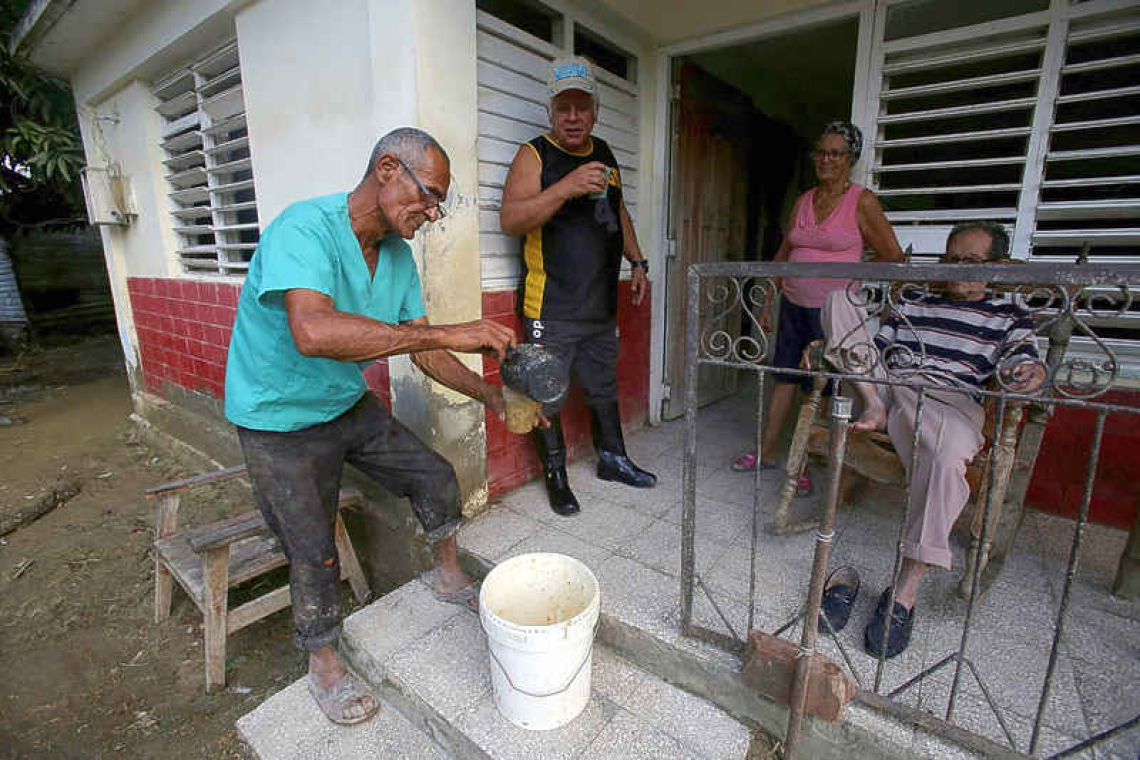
(951, 258)
(431, 198)
(834, 155)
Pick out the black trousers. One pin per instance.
(296, 483)
(588, 350)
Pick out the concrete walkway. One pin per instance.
(429, 660)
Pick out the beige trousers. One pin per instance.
(950, 436)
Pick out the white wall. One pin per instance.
(317, 96)
(122, 133)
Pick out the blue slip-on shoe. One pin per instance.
(898, 636)
(839, 593)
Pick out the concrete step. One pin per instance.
(429, 664)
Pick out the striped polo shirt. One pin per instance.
(939, 338)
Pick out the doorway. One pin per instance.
(743, 122)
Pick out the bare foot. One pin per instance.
(451, 578)
(447, 577)
(458, 590)
(874, 416)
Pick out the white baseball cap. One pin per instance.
(571, 73)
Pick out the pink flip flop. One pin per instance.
(748, 461)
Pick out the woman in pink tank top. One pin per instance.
(834, 221)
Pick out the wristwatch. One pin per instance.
(643, 263)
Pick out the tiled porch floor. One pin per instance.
(631, 539)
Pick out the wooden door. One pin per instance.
(708, 218)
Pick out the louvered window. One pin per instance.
(1024, 112)
(1091, 188)
(209, 174)
(955, 117)
(1029, 119)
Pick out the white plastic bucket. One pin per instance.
(540, 612)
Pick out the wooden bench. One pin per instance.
(209, 560)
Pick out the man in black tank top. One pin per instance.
(563, 193)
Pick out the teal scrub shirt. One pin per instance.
(270, 385)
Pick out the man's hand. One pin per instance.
(639, 285)
(1025, 377)
(493, 400)
(766, 323)
(481, 337)
(586, 179)
(813, 349)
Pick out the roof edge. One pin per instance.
(40, 18)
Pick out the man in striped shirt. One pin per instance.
(953, 342)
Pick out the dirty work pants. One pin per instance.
(296, 483)
(589, 352)
(950, 436)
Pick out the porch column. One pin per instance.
(443, 70)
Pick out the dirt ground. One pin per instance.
(87, 673)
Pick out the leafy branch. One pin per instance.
(41, 153)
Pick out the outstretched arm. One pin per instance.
(320, 330)
(526, 206)
(442, 366)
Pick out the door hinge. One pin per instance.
(666, 391)
(676, 91)
(670, 248)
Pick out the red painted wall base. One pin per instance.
(184, 328)
(1058, 479)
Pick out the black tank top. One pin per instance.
(573, 261)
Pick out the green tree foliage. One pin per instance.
(40, 149)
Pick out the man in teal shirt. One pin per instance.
(332, 287)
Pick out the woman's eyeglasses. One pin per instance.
(833, 155)
(953, 258)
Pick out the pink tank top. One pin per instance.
(837, 239)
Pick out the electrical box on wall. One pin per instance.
(108, 195)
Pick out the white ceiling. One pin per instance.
(669, 21)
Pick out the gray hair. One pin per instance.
(408, 144)
(999, 238)
(850, 133)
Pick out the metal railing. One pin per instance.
(723, 329)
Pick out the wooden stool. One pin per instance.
(209, 560)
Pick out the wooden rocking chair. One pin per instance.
(870, 456)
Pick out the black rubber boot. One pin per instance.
(613, 464)
(552, 453)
